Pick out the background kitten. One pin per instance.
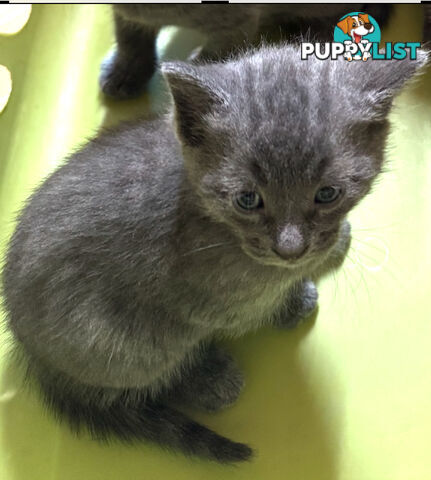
(125, 72)
(145, 246)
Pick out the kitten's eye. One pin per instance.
(248, 200)
(327, 194)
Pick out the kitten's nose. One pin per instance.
(290, 243)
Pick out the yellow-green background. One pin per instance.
(345, 397)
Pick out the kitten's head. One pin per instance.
(280, 149)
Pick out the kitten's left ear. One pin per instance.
(379, 81)
(195, 96)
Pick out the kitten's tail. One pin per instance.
(172, 429)
(131, 420)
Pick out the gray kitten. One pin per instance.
(153, 241)
(125, 73)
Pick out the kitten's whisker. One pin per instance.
(376, 228)
(349, 280)
(207, 247)
(369, 256)
(385, 267)
(368, 244)
(362, 253)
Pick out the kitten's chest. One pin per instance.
(251, 307)
(233, 296)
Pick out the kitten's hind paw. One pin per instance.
(213, 384)
(302, 301)
(222, 391)
(124, 78)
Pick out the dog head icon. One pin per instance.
(356, 26)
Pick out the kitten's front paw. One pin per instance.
(309, 298)
(301, 303)
(123, 78)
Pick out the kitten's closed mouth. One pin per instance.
(274, 260)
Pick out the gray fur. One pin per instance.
(125, 72)
(131, 258)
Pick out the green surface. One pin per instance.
(346, 397)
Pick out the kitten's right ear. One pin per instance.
(194, 97)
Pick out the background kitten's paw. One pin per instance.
(301, 303)
(123, 78)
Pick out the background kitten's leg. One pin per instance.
(125, 72)
(214, 382)
(300, 304)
